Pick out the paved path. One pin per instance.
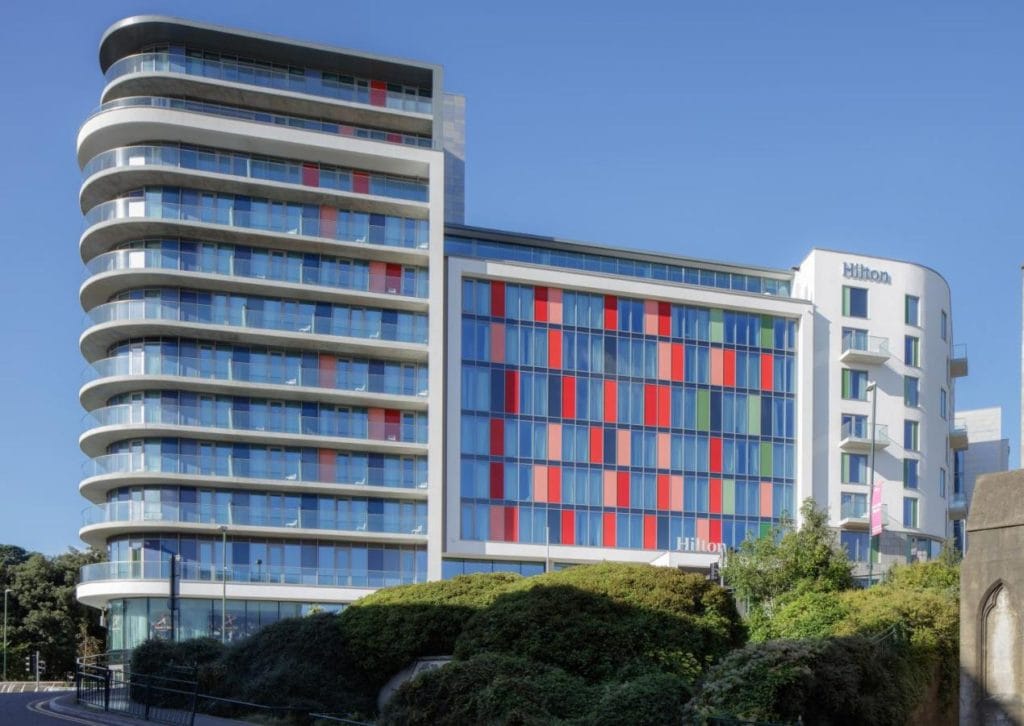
(32, 709)
(48, 709)
(32, 687)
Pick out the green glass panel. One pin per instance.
(766, 458)
(728, 497)
(717, 326)
(767, 333)
(703, 409)
(766, 529)
(754, 414)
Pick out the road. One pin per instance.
(30, 709)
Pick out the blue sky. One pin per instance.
(739, 131)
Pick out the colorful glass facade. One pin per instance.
(615, 422)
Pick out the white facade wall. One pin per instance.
(821, 278)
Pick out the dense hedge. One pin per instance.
(489, 688)
(601, 644)
(564, 642)
(596, 621)
(391, 628)
(854, 680)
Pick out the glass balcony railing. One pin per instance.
(305, 220)
(275, 469)
(865, 344)
(158, 259)
(275, 119)
(139, 310)
(861, 432)
(130, 414)
(307, 80)
(114, 512)
(400, 383)
(246, 574)
(261, 168)
(854, 510)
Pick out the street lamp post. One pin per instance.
(224, 583)
(872, 388)
(7, 591)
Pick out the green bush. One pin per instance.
(834, 681)
(187, 660)
(391, 628)
(595, 621)
(298, 663)
(805, 615)
(489, 688)
(908, 628)
(653, 698)
(619, 626)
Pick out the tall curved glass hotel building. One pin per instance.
(312, 380)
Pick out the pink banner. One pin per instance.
(876, 509)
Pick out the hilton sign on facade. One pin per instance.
(857, 271)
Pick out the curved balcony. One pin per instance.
(110, 471)
(282, 218)
(265, 574)
(115, 321)
(260, 86)
(308, 176)
(112, 272)
(309, 81)
(106, 425)
(405, 523)
(124, 372)
(306, 123)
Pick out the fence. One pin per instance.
(151, 698)
(173, 701)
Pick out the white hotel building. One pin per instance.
(312, 380)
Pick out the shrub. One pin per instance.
(834, 681)
(595, 621)
(298, 663)
(489, 688)
(391, 628)
(653, 698)
(805, 615)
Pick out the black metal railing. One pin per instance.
(151, 698)
(106, 686)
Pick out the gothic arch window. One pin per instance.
(1000, 641)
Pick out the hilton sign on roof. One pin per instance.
(857, 271)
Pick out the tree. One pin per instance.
(44, 613)
(788, 561)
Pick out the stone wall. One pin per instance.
(992, 604)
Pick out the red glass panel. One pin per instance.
(497, 480)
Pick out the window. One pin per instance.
(854, 505)
(943, 321)
(855, 302)
(943, 400)
(854, 426)
(856, 544)
(855, 384)
(910, 435)
(910, 473)
(912, 351)
(855, 339)
(942, 483)
(910, 391)
(855, 468)
(910, 310)
(910, 512)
